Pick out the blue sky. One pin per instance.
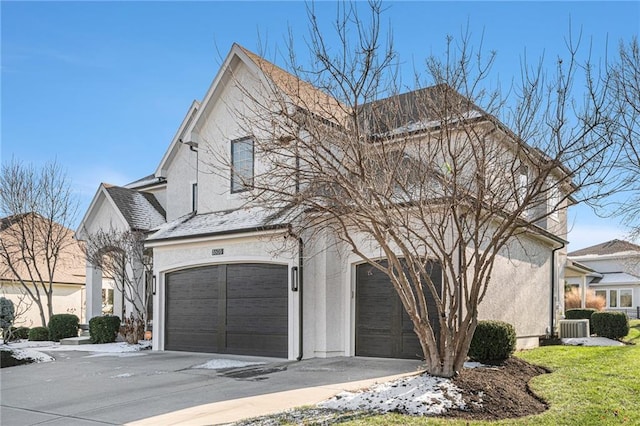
(103, 86)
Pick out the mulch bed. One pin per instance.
(500, 392)
(7, 360)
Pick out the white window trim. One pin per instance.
(194, 196)
(553, 201)
(617, 290)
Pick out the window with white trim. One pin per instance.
(194, 197)
(617, 297)
(242, 163)
(553, 200)
(626, 298)
(523, 183)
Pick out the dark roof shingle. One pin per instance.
(141, 210)
(608, 247)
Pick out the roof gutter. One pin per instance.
(154, 241)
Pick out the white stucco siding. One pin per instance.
(628, 264)
(520, 290)
(254, 248)
(160, 193)
(326, 309)
(104, 217)
(67, 299)
(181, 175)
(229, 115)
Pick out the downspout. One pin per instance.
(460, 290)
(553, 280)
(300, 298)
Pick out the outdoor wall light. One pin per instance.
(153, 285)
(294, 278)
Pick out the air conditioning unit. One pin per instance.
(574, 328)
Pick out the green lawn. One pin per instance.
(634, 332)
(588, 386)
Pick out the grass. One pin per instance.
(634, 332)
(587, 386)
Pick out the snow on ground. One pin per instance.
(23, 349)
(116, 347)
(219, 364)
(415, 395)
(29, 354)
(591, 341)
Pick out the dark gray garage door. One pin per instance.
(237, 308)
(383, 328)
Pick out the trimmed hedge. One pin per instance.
(39, 334)
(573, 314)
(614, 325)
(19, 333)
(492, 341)
(62, 326)
(104, 329)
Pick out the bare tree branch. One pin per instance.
(38, 208)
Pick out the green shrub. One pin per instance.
(39, 334)
(614, 325)
(62, 326)
(7, 315)
(19, 333)
(492, 341)
(573, 314)
(104, 329)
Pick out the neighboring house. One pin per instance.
(223, 283)
(612, 270)
(68, 278)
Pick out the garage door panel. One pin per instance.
(270, 325)
(251, 281)
(256, 307)
(250, 344)
(374, 344)
(383, 328)
(411, 346)
(242, 307)
(193, 341)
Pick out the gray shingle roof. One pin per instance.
(141, 210)
(417, 110)
(615, 278)
(224, 222)
(609, 247)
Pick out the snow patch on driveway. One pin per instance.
(220, 364)
(30, 354)
(415, 395)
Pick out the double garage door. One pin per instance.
(235, 308)
(383, 328)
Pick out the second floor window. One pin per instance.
(242, 164)
(194, 197)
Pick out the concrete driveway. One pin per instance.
(81, 388)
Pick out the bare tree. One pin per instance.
(122, 257)
(21, 299)
(424, 178)
(625, 94)
(38, 207)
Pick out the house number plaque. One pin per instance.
(217, 252)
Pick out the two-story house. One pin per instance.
(229, 277)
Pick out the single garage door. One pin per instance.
(383, 328)
(236, 308)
